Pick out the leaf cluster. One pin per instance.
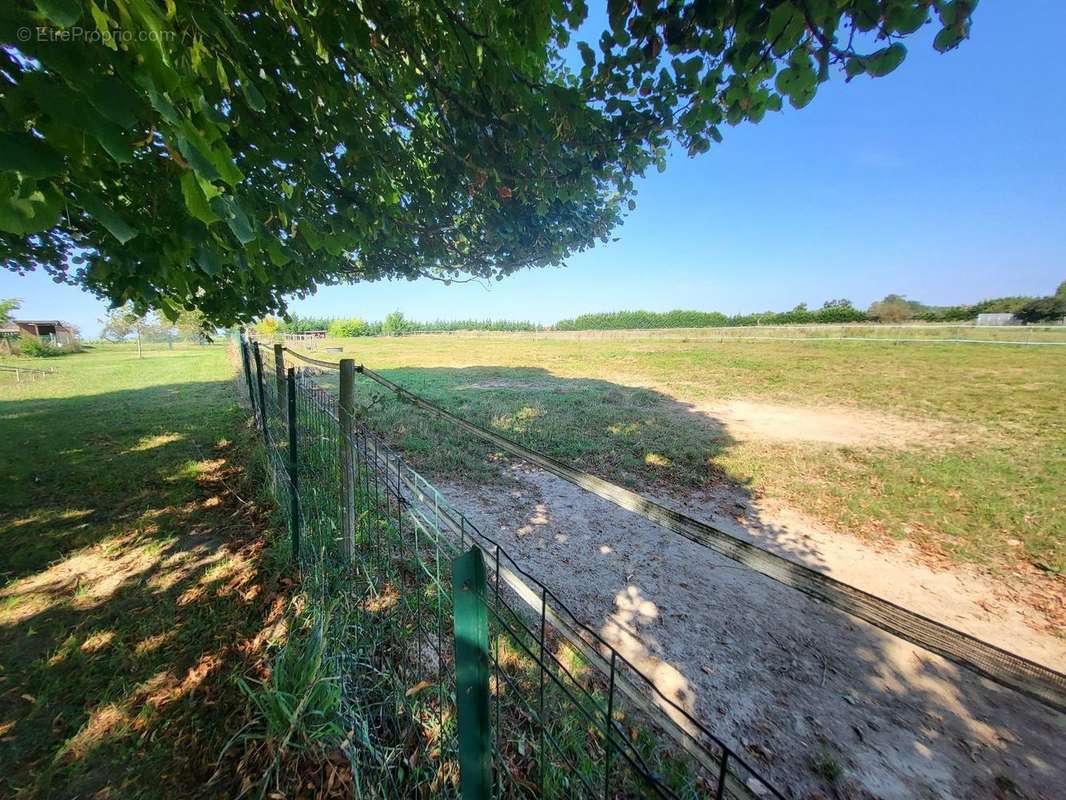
(224, 157)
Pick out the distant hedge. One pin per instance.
(641, 320)
(394, 324)
(472, 325)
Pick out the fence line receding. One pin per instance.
(568, 715)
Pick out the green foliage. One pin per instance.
(394, 324)
(268, 326)
(6, 307)
(894, 308)
(221, 160)
(648, 320)
(343, 328)
(297, 324)
(299, 703)
(35, 347)
(1043, 309)
(125, 321)
(827, 767)
(473, 325)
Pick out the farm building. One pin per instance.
(53, 330)
(997, 319)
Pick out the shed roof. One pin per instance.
(57, 322)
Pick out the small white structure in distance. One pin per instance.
(998, 319)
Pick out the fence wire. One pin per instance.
(570, 716)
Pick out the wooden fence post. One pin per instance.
(471, 630)
(346, 420)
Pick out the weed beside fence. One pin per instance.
(373, 668)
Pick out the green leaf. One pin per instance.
(947, 39)
(886, 59)
(587, 56)
(29, 156)
(26, 208)
(279, 256)
(198, 160)
(618, 13)
(195, 200)
(235, 218)
(254, 98)
(102, 213)
(63, 13)
(103, 25)
(115, 102)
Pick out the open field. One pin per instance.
(959, 450)
(131, 588)
(136, 586)
(726, 431)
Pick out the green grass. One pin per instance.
(622, 407)
(129, 581)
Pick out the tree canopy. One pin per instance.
(219, 156)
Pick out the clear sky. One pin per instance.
(945, 181)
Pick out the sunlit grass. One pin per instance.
(114, 507)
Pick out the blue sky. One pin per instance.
(943, 181)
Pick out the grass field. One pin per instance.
(131, 584)
(979, 478)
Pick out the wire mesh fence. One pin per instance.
(375, 543)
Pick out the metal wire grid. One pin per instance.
(571, 716)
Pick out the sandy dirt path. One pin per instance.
(785, 679)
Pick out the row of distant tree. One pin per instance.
(897, 308)
(893, 308)
(394, 324)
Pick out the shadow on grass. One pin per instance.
(133, 589)
(817, 699)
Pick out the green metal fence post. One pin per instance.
(247, 374)
(262, 396)
(279, 377)
(471, 626)
(346, 423)
(294, 486)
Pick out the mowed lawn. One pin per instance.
(980, 477)
(131, 592)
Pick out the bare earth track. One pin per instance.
(791, 681)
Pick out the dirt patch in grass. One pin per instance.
(834, 425)
(781, 677)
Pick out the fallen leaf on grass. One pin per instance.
(418, 687)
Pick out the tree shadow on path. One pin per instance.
(824, 703)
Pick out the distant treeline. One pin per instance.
(639, 320)
(892, 309)
(393, 325)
